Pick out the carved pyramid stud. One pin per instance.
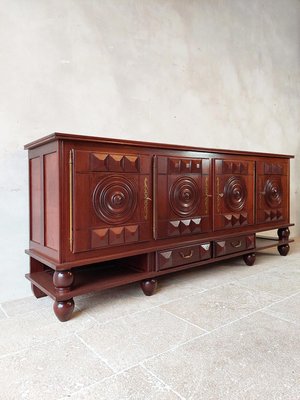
(279, 214)
(165, 259)
(116, 235)
(236, 168)
(195, 225)
(131, 163)
(174, 165)
(115, 162)
(99, 162)
(267, 215)
(99, 238)
(184, 227)
(268, 168)
(250, 242)
(273, 215)
(243, 218)
(173, 228)
(227, 220)
(131, 233)
(235, 220)
(244, 168)
(227, 167)
(220, 248)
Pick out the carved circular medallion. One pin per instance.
(184, 196)
(235, 193)
(115, 199)
(273, 192)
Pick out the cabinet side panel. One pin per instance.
(51, 201)
(35, 199)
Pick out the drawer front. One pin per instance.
(233, 245)
(182, 255)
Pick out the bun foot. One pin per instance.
(283, 249)
(63, 309)
(249, 259)
(149, 286)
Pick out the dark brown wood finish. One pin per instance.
(107, 212)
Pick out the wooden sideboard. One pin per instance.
(107, 212)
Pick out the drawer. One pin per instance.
(233, 245)
(182, 255)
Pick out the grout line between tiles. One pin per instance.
(186, 321)
(161, 381)
(13, 353)
(280, 318)
(95, 353)
(216, 329)
(4, 312)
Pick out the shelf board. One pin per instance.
(87, 280)
(265, 242)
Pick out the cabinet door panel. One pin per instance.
(234, 193)
(182, 196)
(111, 199)
(272, 191)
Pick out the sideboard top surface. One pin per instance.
(83, 138)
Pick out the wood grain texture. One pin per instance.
(105, 212)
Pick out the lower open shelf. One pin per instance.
(87, 280)
(265, 242)
(103, 276)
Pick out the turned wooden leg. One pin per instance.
(149, 286)
(283, 234)
(64, 309)
(249, 259)
(283, 249)
(63, 281)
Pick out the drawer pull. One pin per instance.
(189, 255)
(236, 244)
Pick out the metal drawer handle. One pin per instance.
(236, 244)
(189, 255)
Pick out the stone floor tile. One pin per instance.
(22, 331)
(135, 383)
(288, 309)
(25, 305)
(276, 281)
(257, 358)
(118, 302)
(50, 371)
(219, 306)
(125, 342)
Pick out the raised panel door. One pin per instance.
(112, 199)
(272, 191)
(183, 199)
(234, 193)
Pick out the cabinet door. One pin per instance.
(183, 200)
(111, 199)
(272, 191)
(234, 193)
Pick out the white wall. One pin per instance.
(209, 72)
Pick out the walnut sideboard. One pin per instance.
(107, 212)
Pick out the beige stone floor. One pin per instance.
(225, 332)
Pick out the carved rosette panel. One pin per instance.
(235, 193)
(273, 193)
(115, 199)
(184, 196)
